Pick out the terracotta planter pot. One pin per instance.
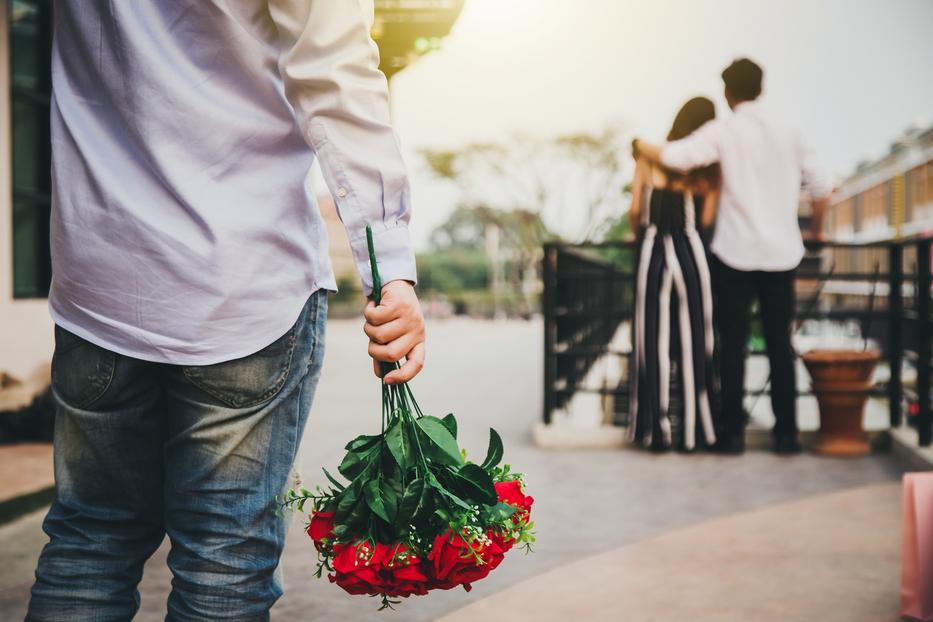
(841, 382)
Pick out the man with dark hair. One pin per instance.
(757, 243)
(743, 81)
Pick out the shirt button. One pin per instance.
(341, 192)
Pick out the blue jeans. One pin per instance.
(199, 453)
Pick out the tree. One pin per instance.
(573, 184)
(453, 271)
(509, 240)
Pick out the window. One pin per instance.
(30, 90)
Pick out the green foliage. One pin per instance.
(376, 500)
(439, 443)
(453, 270)
(358, 461)
(473, 482)
(411, 507)
(495, 451)
(400, 445)
(621, 258)
(450, 422)
(348, 299)
(337, 485)
(467, 226)
(485, 303)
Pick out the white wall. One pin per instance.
(26, 339)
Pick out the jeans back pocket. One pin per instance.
(81, 371)
(250, 380)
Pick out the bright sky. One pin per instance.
(850, 74)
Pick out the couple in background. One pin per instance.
(745, 171)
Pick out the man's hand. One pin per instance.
(396, 329)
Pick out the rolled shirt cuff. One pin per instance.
(394, 256)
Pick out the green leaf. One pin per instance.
(450, 422)
(345, 503)
(389, 499)
(355, 463)
(441, 440)
(400, 445)
(476, 484)
(412, 500)
(333, 481)
(357, 518)
(374, 500)
(362, 444)
(351, 513)
(501, 511)
(436, 485)
(351, 466)
(494, 453)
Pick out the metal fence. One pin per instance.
(882, 287)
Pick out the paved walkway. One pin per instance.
(832, 557)
(588, 503)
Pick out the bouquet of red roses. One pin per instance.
(414, 514)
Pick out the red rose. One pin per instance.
(511, 493)
(504, 541)
(357, 567)
(453, 562)
(405, 573)
(322, 526)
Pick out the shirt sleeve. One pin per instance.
(697, 150)
(329, 64)
(815, 179)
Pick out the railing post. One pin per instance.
(895, 331)
(549, 269)
(924, 418)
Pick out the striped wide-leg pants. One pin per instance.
(672, 268)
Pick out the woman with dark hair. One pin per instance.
(673, 295)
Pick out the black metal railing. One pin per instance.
(883, 287)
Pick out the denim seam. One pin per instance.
(270, 393)
(314, 314)
(97, 388)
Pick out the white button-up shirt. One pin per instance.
(183, 227)
(764, 166)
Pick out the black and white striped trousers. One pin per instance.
(672, 274)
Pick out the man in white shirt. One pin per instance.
(757, 243)
(190, 273)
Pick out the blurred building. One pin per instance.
(890, 197)
(405, 30)
(886, 199)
